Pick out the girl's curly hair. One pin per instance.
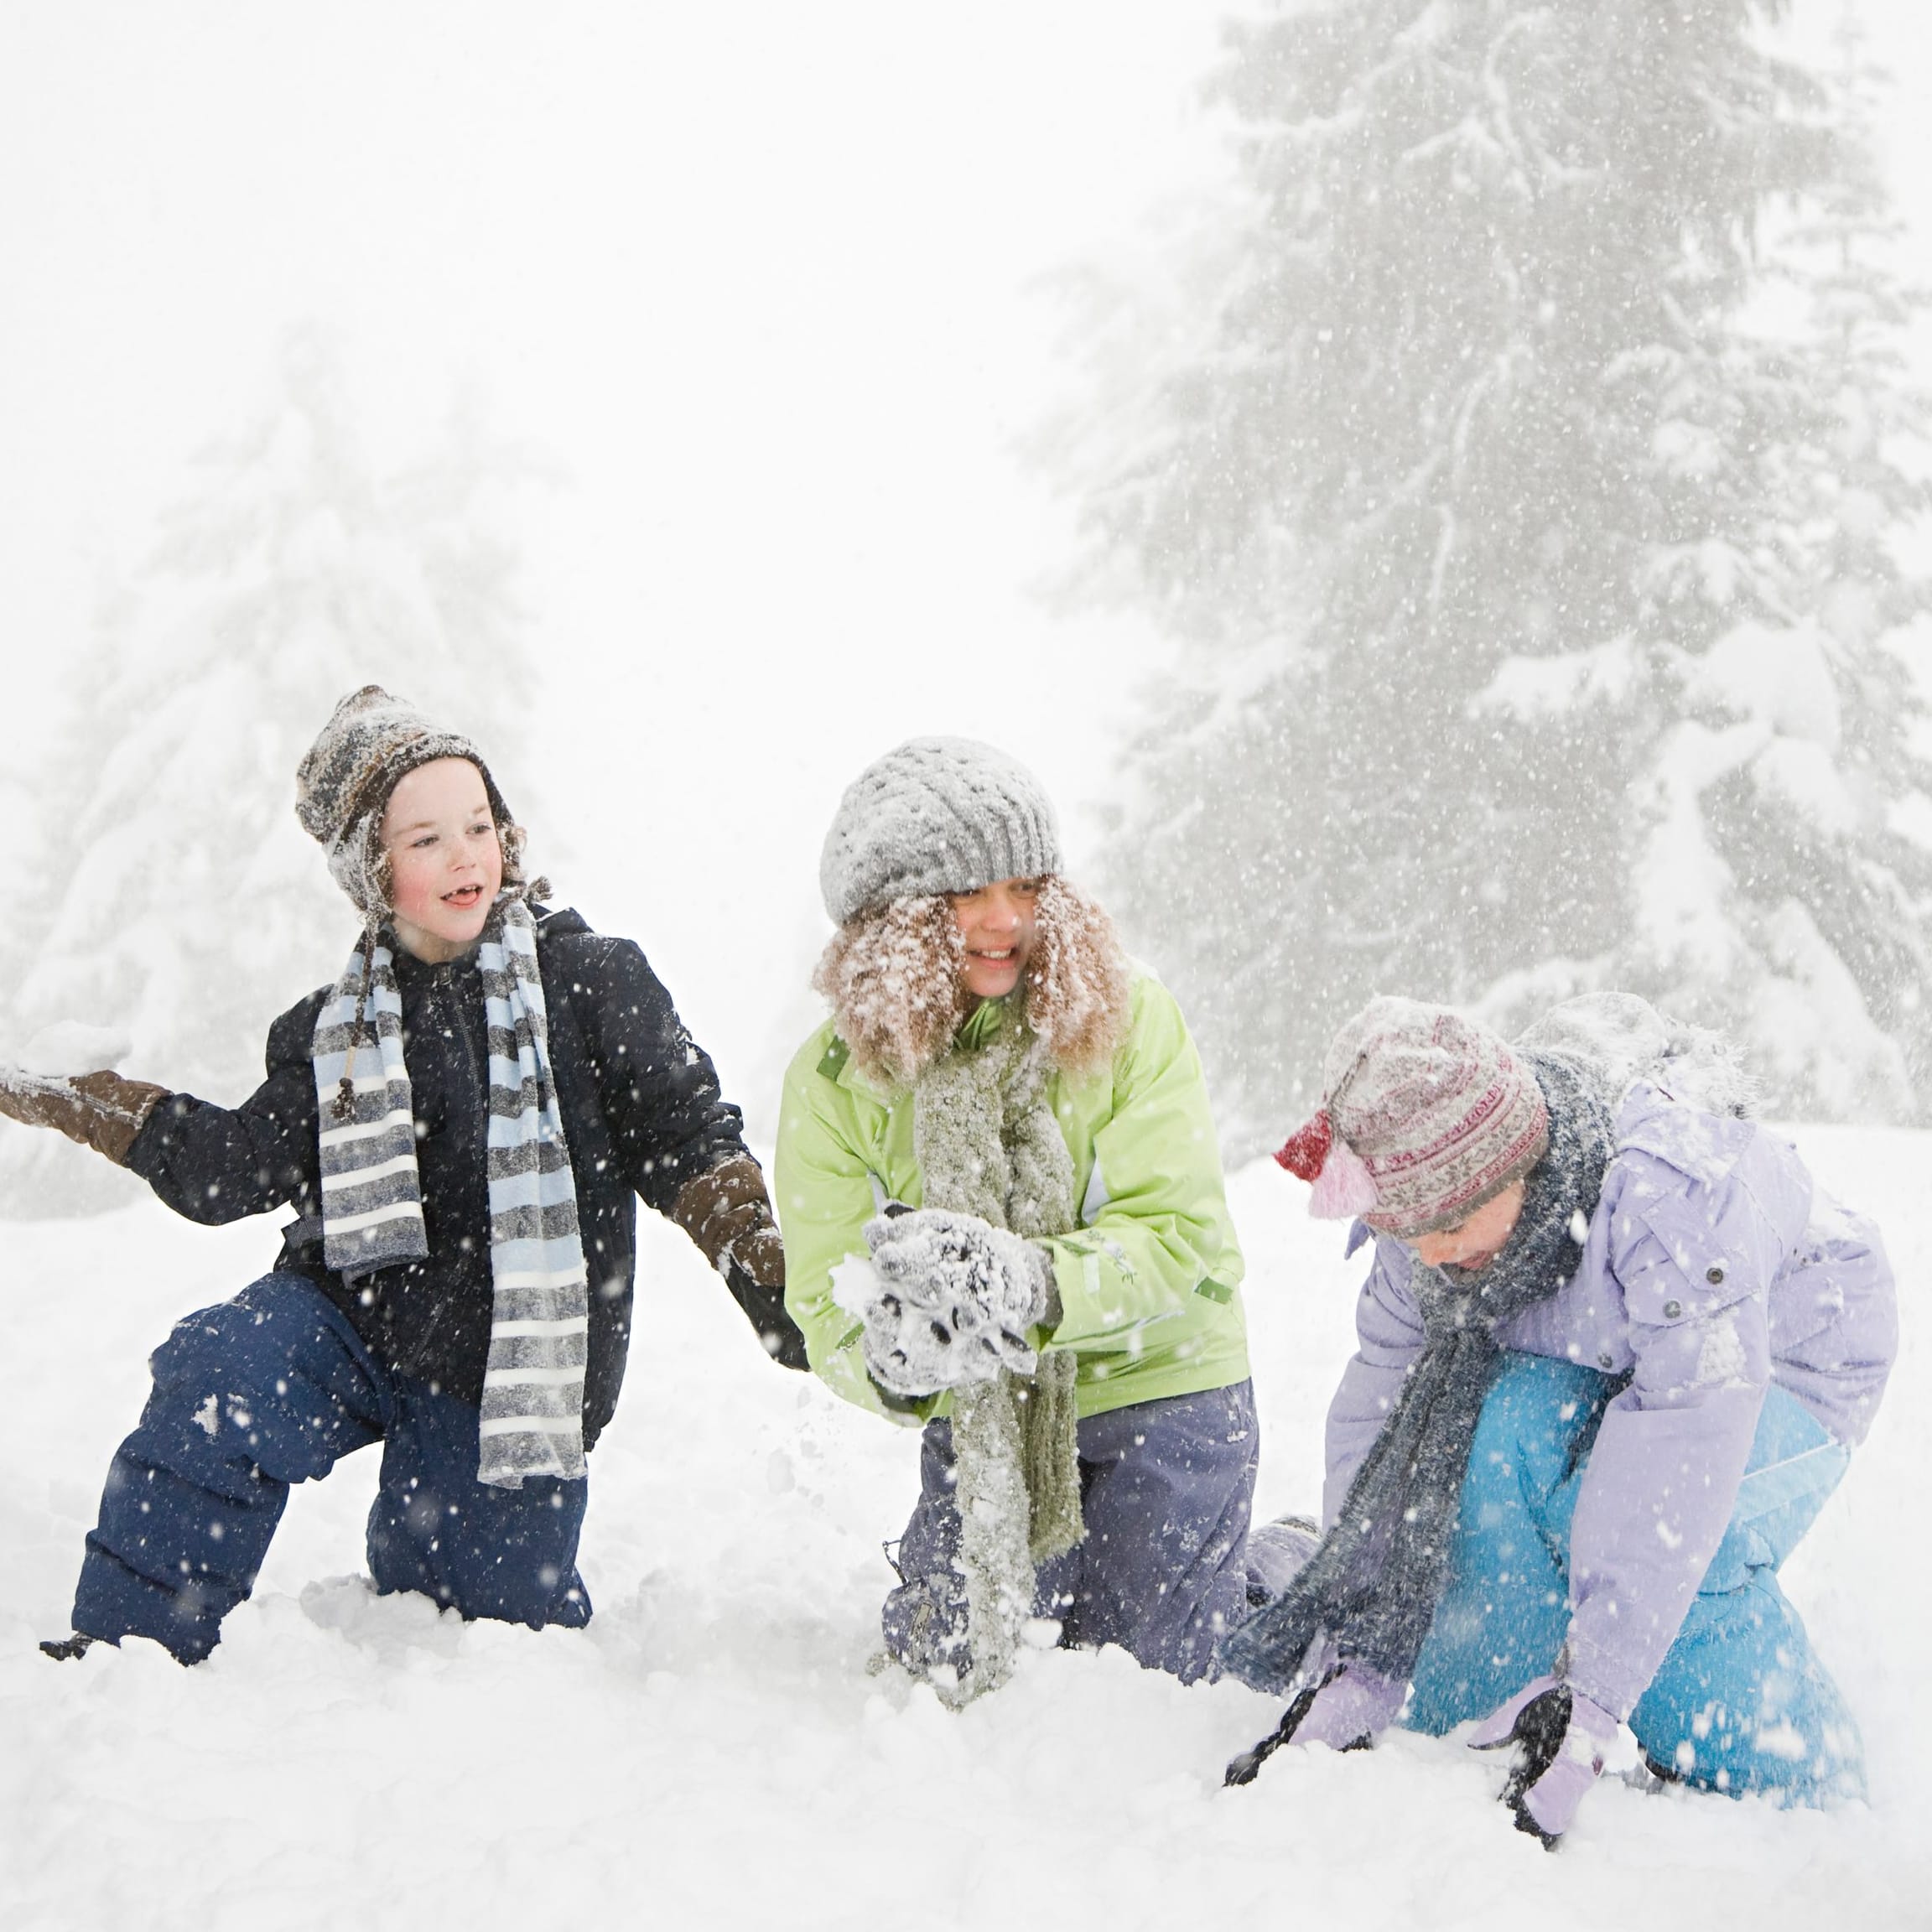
(894, 977)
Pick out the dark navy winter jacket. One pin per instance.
(642, 1114)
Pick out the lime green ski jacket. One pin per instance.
(1150, 1281)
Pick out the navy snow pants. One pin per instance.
(1164, 1489)
(271, 1389)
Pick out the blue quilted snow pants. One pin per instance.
(273, 1388)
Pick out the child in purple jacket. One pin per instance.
(1616, 1349)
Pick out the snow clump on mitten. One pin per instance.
(956, 1297)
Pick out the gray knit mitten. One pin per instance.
(956, 1297)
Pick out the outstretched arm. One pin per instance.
(220, 1164)
(100, 1110)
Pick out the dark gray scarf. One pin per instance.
(1370, 1589)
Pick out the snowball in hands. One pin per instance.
(950, 1300)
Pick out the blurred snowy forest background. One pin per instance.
(1437, 487)
(1532, 475)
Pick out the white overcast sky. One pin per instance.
(757, 277)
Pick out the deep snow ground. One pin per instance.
(713, 1750)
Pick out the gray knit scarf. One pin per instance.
(987, 1144)
(531, 1422)
(1370, 1589)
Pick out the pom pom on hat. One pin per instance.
(1438, 1111)
(1306, 1148)
(1343, 1186)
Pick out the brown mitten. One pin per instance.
(100, 1110)
(726, 1212)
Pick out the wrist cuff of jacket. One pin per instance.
(1052, 1312)
(1587, 1671)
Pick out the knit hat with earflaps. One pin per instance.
(1428, 1116)
(936, 815)
(370, 743)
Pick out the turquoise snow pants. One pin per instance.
(1740, 1703)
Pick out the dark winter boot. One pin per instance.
(1273, 1555)
(64, 1650)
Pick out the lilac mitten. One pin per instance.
(1564, 1736)
(1351, 1709)
(1345, 1711)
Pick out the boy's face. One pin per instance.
(445, 866)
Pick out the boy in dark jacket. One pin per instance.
(460, 1122)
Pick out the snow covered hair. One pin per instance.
(893, 976)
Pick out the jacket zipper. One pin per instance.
(446, 996)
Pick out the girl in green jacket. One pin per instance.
(1003, 1220)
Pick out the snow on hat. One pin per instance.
(371, 742)
(1428, 1116)
(936, 815)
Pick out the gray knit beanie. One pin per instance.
(936, 815)
(370, 743)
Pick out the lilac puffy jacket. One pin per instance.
(1713, 1268)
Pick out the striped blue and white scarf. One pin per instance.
(533, 1413)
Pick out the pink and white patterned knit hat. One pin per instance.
(1428, 1116)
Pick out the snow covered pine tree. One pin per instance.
(1533, 572)
(295, 572)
